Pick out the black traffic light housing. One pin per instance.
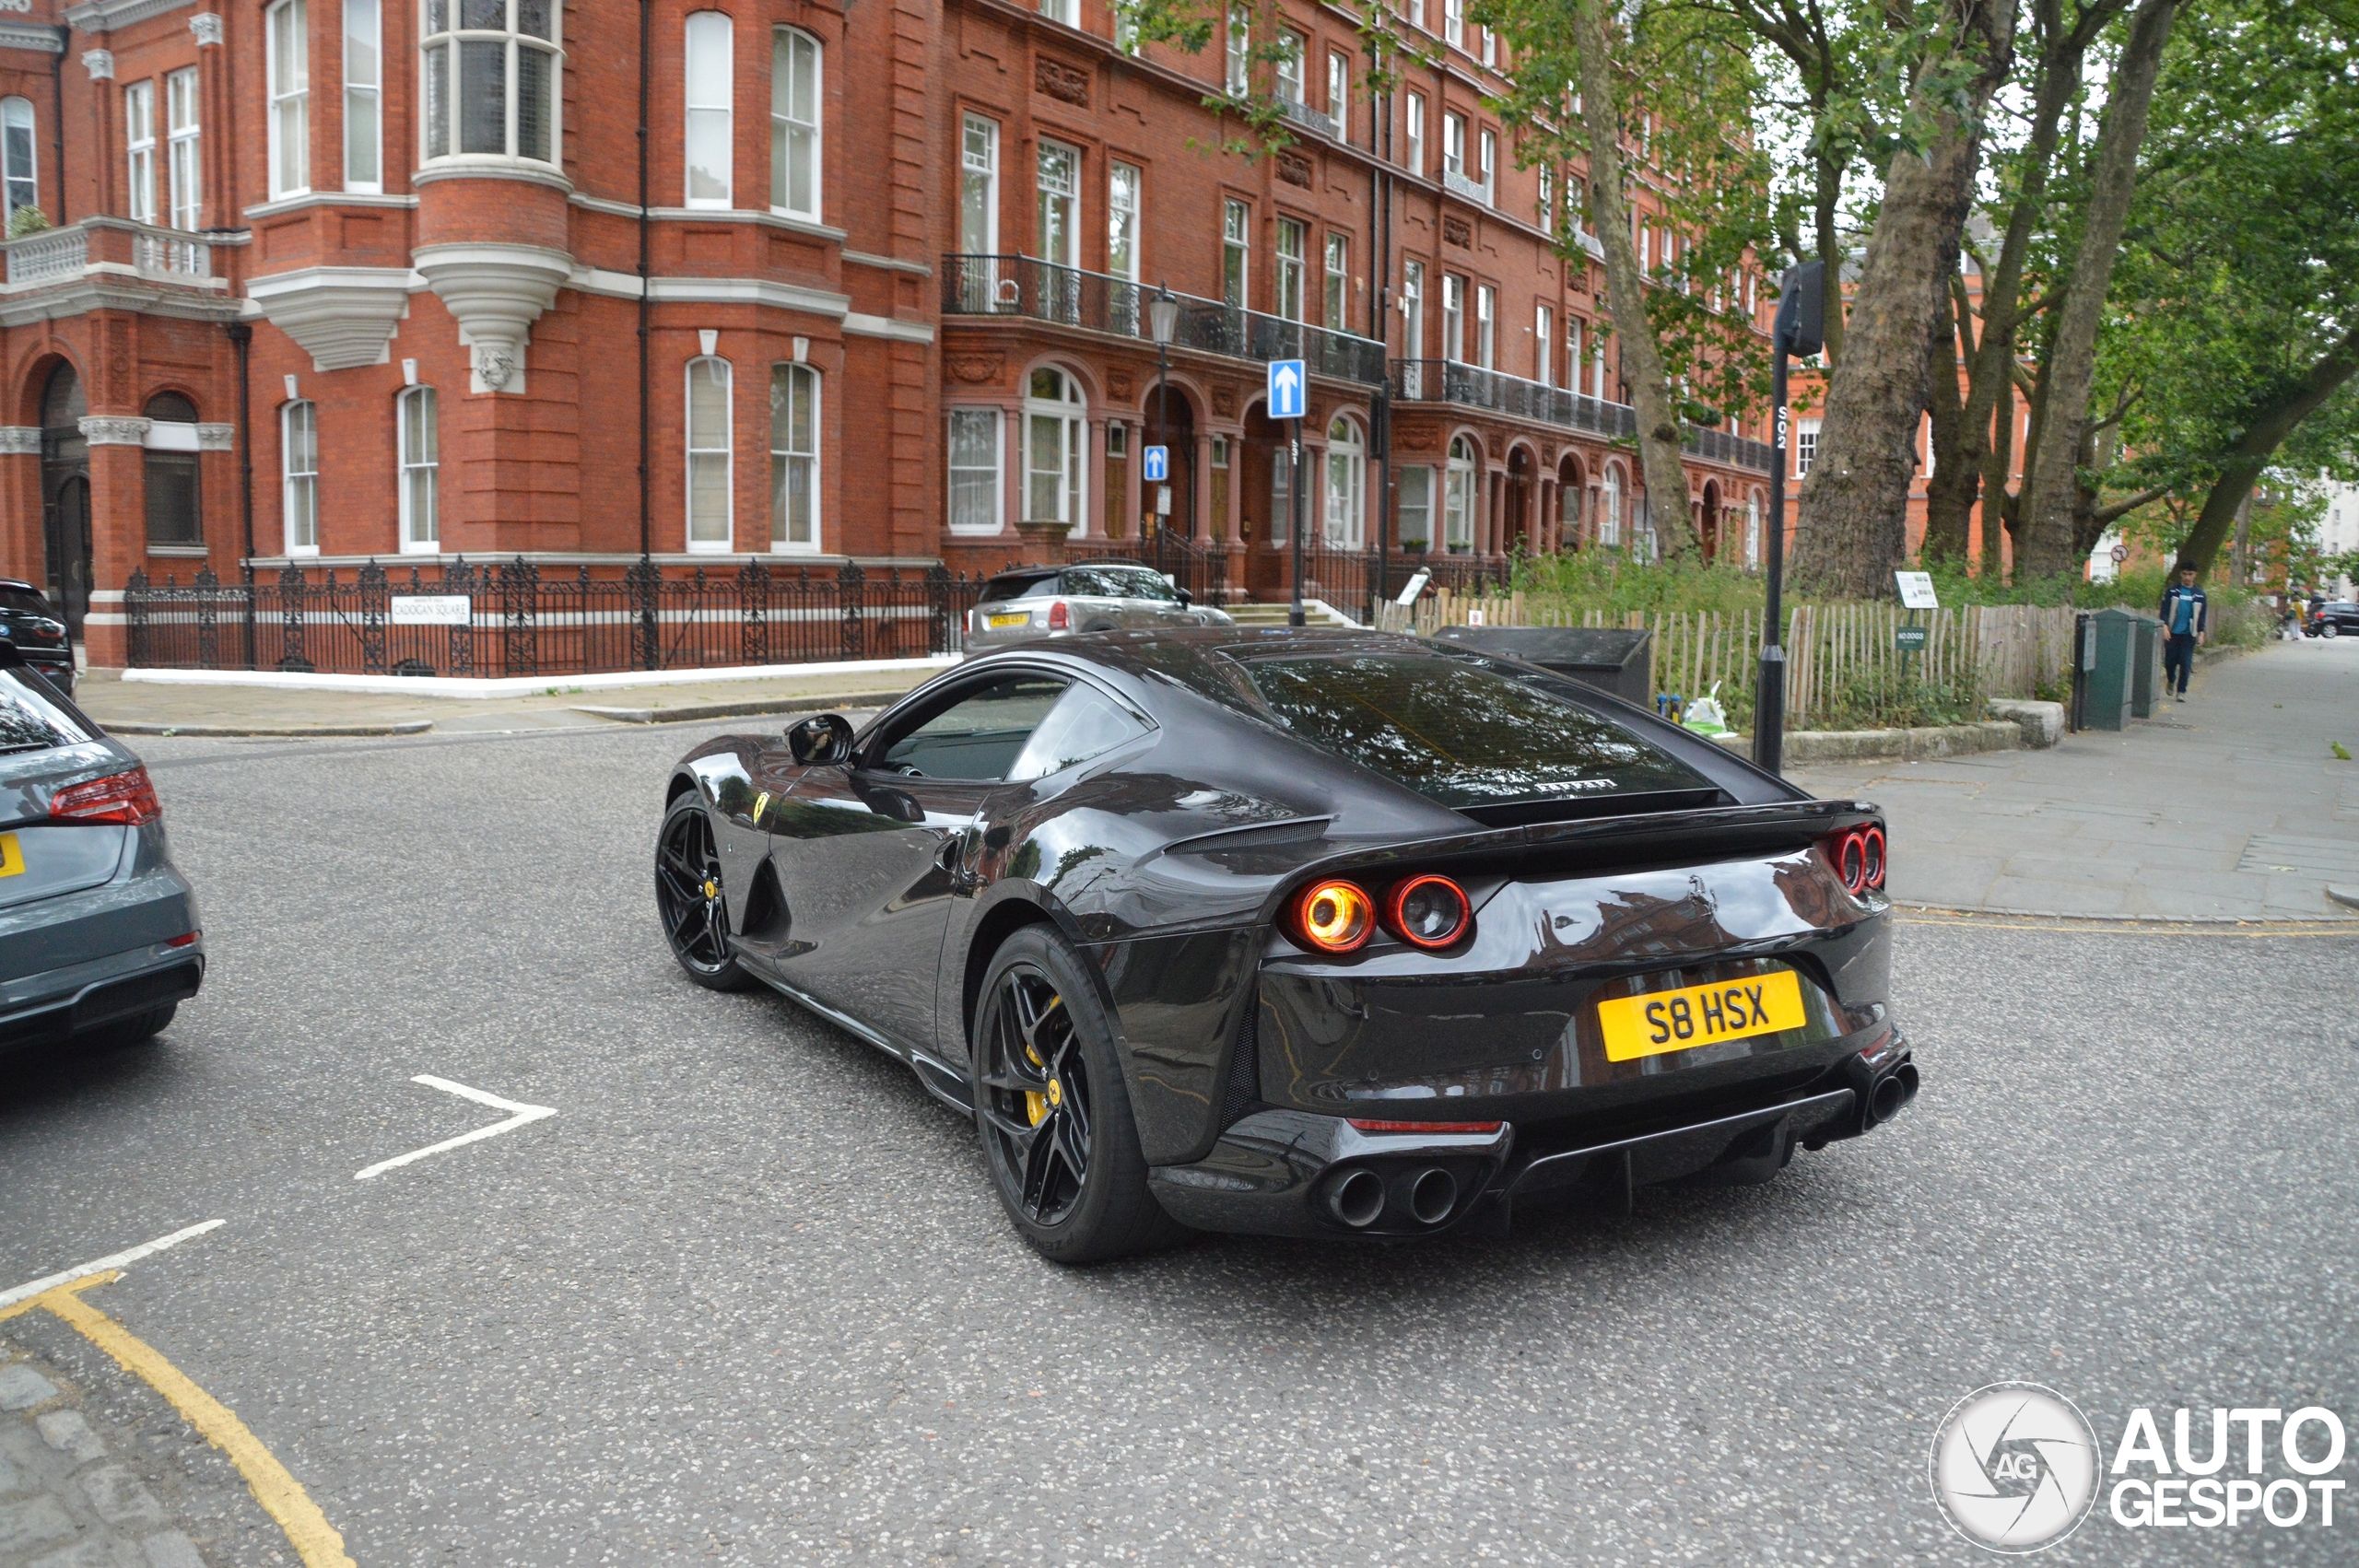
(1802, 310)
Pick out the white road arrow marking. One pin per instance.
(100, 1265)
(521, 1115)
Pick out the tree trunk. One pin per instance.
(1827, 201)
(2239, 551)
(1956, 452)
(2251, 454)
(1659, 434)
(2048, 488)
(1853, 527)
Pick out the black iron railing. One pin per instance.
(517, 623)
(1019, 286)
(1446, 381)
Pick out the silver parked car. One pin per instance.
(1100, 596)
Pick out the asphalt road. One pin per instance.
(748, 1295)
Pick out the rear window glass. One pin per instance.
(24, 601)
(1003, 588)
(31, 718)
(1459, 733)
(1118, 583)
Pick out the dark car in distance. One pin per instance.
(32, 624)
(1307, 932)
(2332, 617)
(98, 935)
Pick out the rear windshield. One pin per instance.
(31, 717)
(1461, 733)
(1017, 586)
(24, 601)
(1118, 583)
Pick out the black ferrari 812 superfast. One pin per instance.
(1316, 933)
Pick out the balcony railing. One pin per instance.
(1459, 184)
(54, 255)
(1041, 291)
(1318, 119)
(1446, 381)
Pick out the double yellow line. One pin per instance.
(282, 1497)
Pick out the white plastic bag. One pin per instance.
(1703, 714)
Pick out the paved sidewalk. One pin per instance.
(141, 708)
(2229, 806)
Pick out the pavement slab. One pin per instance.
(2229, 806)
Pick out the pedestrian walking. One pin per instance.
(2185, 612)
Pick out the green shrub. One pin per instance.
(27, 220)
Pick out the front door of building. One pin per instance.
(69, 551)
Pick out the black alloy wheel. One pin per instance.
(1052, 1110)
(1035, 1099)
(688, 895)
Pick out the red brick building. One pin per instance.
(327, 281)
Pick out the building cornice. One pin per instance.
(325, 199)
(20, 440)
(485, 166)
(33, 36)
(105, 16)
(97, 290)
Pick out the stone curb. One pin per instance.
(2348, 897)
(303, 732)
(1862, 746)
(2339, 923)
(688, 712)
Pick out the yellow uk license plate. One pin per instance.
(1008, 620)
(11, 857)
(1656, 1022)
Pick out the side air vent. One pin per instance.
(1245, 1066)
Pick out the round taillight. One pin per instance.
(1871, 855)
(1334, 917)
(1428, 911)
(1851, 862)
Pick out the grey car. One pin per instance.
(98, 935)
(1036, 602)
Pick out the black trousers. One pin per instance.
(2178, 659)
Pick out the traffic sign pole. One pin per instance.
(1289, 396)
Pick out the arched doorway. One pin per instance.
(1707, 527)
(1569, 496)
(1519, 520)
(1172, 422)
(1344, 523)
(65, 497)
(1458, 498)
(1264, 504)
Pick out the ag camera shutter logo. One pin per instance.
(2014, 1466)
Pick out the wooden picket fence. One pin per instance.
(1831, 650)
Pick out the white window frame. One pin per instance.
(421, 471)
(979, 184)
(1543, 345)
(797, 130)
(1293, 238)
(707, 88)
(1124, 185)
(702, 457)
(1609, 522)
(1416, 500)
(1292, 69)
(286, 77)
(1573, 353)
(1412, 309)
(1235, 253)
(1453, 143)
(364, 96)
(1453, 318)
(20, 187)
(992, 421)
(1056, 183)
(439, 54)
(1070, 412)
(299, 487)
(1338, 302)
(1487, 145)
(1487, 326)
(1344, 523)
(1459, 496)
(804, 390)
(1065, 11)
(1339, 93)
(1236, 52)
(183, 161)
(139, 149)
(1805, 446)
(1453, 23)
(1414, 134)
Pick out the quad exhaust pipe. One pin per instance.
(1357, 1199)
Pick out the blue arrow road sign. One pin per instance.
(1287, 385)
(1158, 466)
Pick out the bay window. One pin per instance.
(286, 69)
(364, 83)
(488, 78)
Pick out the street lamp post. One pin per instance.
(1163, 320)
(1800, 329)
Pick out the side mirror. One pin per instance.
(1186, 598)
(821, 740)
